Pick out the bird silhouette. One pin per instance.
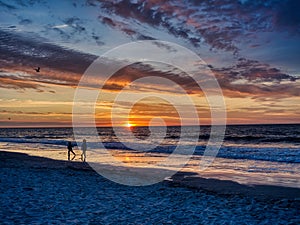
(37, 69)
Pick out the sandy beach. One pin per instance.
(39, 190)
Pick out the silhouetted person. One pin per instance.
(70, 149)
(83, 148)
(37, 69)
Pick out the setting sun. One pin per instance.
(130, 125)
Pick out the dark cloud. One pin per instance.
(76, 23)
(143, 13)
(64, 35)
(25, 22)
(144, 37)
(136, 71)
(97, 39)
(125, 28)
(25, 52)
(107, 21)
(250, 77)
(246, 78)
(166, 46)
(7, 6)
(128, 31)
(221, 24)
(32, 51)
(254, 71)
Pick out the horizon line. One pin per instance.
(232, 124)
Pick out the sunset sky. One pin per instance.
(252, 47)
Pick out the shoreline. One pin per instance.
(182, 178)
(228, 187)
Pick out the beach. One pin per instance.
(38, 189)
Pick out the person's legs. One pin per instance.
(73, 157)
(84, 155)
(69, 155)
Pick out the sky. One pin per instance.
(251, 47)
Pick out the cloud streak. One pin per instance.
(250, 77)
(59, 66)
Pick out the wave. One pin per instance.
(35, 141)
(257, 139)
(248, 153)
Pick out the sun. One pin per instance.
(129, 125)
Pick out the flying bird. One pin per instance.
(37, 69)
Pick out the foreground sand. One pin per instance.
(38, 190)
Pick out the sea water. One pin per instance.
(251, 154)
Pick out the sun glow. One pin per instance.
(130, 125)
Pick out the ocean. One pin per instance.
(251, 154)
